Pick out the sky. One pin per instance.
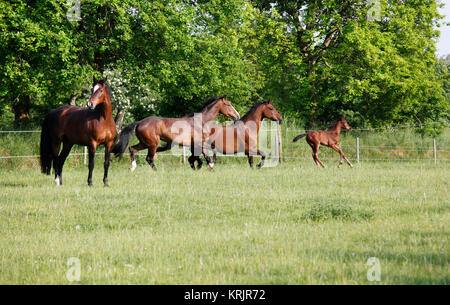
(443, 43)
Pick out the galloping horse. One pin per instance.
(185, 131)
(242, 136)
(328, 138)
(74, 125)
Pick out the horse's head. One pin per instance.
(344, 123)
(98, 94)
(270, 112)
(227, 109)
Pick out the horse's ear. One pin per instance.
(270, 102)
(105, 79)
(94, 79)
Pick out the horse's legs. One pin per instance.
(151, 153)
(194, 158)
(55, 152)
(133, 150)
(207, 158)
(316, 155)
(263, 157)
(214, 155)
(250, 160)
(92, 149)
(191, 160)
(313, 153)
(108, 147)
(341, 153)
(61, 159)
(199, 162)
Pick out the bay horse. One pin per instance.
(328, 138)
(184, 131)
(71, 125)
(242, 136)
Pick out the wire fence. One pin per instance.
(358, 148)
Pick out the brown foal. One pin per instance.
(328, 138)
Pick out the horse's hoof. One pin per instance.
(259, 165)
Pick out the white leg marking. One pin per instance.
(57, 181)
(133, 166)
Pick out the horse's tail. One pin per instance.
(299, 137)
(46, 147)
(119, 148)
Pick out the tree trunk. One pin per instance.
(119, 119)
(21, 108)
(73, 99)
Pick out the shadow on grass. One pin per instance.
(13, 184)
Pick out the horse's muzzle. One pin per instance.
(90, 105)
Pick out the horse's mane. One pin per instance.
(206, 103)
(254, 107)
(334, 124)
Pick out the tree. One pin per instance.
(35, 54)
(180, 51)
(324, 58)
(303, 32)
(384, 71)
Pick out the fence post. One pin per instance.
(434, 151)
(357, 149)
(85, 155)
(280, 144)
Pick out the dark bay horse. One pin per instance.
(184, 131)
(328, 138)
(71, 125)
(242, 136)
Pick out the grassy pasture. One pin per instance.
(291, 224)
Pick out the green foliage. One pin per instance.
(316, 58)
(387, 71)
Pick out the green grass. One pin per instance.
(291, 224)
